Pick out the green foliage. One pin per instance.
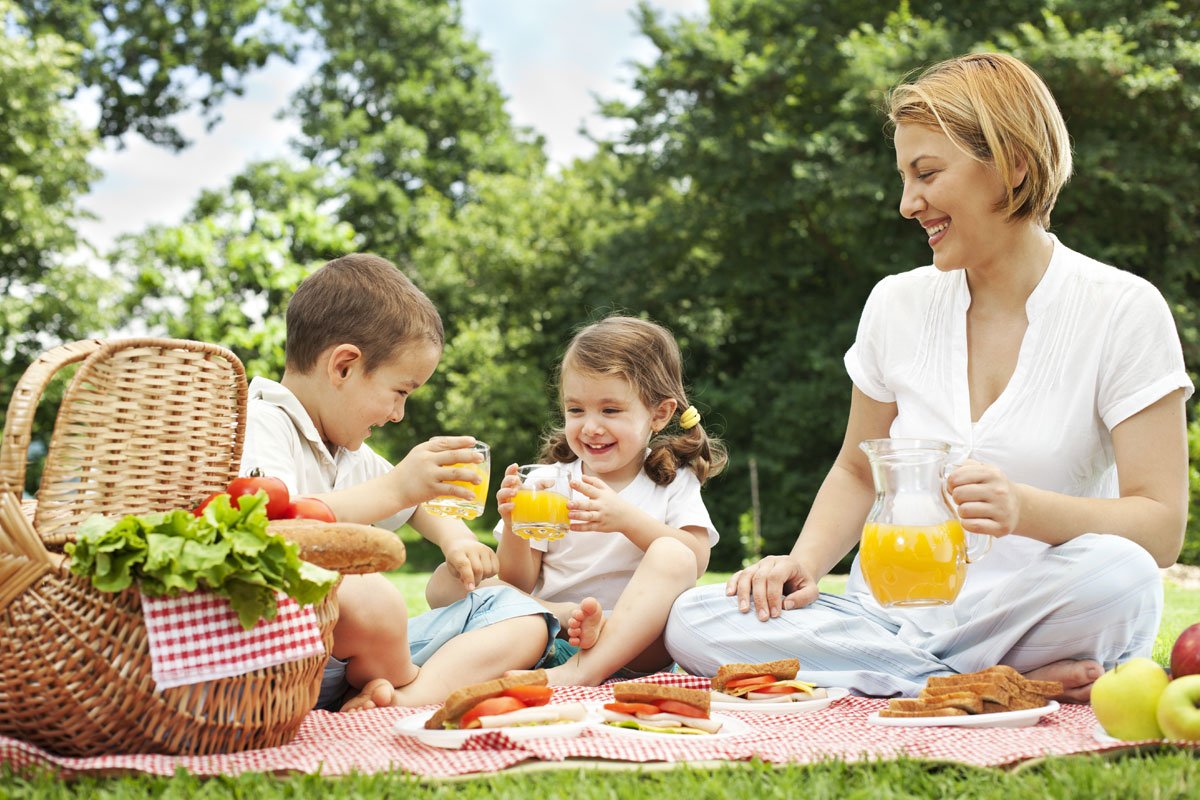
(406, 107)
(1191, 542)
(151, 59)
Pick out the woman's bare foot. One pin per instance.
(1076, 677)
(585, 624)
(377, 693)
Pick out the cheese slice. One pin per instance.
(536, 715)
(664, 723)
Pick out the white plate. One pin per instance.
(999, 719)
(729, 727)
(793, 707)
(414, 726)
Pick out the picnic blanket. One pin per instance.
(336, 744)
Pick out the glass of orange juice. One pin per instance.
(540, 505)
(451, 506)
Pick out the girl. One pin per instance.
(640, 534)
(1066, 378)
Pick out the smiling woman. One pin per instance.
(1062, 377)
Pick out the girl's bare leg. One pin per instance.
(632, 635)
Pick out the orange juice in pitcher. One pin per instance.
(914, 565)
(914, 551)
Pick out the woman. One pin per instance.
(1063, 375)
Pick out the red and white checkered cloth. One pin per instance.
(366, 742)
(196, 637)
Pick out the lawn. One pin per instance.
(1153, 773)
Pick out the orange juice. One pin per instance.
(458, 507)
(914, 565)
(539, 515)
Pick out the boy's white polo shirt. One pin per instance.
(283, 442)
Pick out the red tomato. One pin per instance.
(199, 510)
(682, 709)
(530, 695)
(748, 680)
(309, 508)
(277, 492)
(489, 708)
(632, 708)
(770, 689)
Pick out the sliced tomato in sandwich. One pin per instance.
(489, 708)
(682, 709)
(632, 708)
(749, 680)
(774, 688)
(530, 695)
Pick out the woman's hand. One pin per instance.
(596, 507)
(987, 500)
(775, 584)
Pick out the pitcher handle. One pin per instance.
(978, 544)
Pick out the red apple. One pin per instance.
(1185, 655)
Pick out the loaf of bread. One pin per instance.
(346, 547)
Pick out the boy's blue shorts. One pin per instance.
(429, 631)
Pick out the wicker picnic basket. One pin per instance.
(145, 425)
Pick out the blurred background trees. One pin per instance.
(749, 204)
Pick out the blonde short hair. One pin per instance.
(998, 111)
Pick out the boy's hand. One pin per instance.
(471, 561)
(596, 507)
(425, 472)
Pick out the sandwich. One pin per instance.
(989, 691)
(660, 709)
(505, 702)
(770, 682)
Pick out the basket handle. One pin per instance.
(23, 557)
(18, 422)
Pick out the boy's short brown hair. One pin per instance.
(363, 300)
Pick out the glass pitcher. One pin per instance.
(914, 551)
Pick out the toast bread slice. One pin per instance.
(967, 702)
(463, 700)
(632, 692)
(784, 669)
(927, 712)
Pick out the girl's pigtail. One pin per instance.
(691, 448)
(555, 449)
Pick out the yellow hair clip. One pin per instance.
(689, 418)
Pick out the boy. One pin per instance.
(361, 337)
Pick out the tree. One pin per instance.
(151, 59)
(403, 107)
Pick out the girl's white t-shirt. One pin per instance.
(594, 564)
(1100, 346)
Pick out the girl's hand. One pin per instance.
(506, 493)
(987, 500)
(596, 507)
(774, 585)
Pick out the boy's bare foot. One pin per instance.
(585, 624)
(378, 693)
(1076, 677)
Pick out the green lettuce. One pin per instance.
(226, 550)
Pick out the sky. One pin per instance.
(552, 58)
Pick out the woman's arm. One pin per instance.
(1151, 459)
(832, 528)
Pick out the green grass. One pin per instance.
(1164, 774)
(1151, 773)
